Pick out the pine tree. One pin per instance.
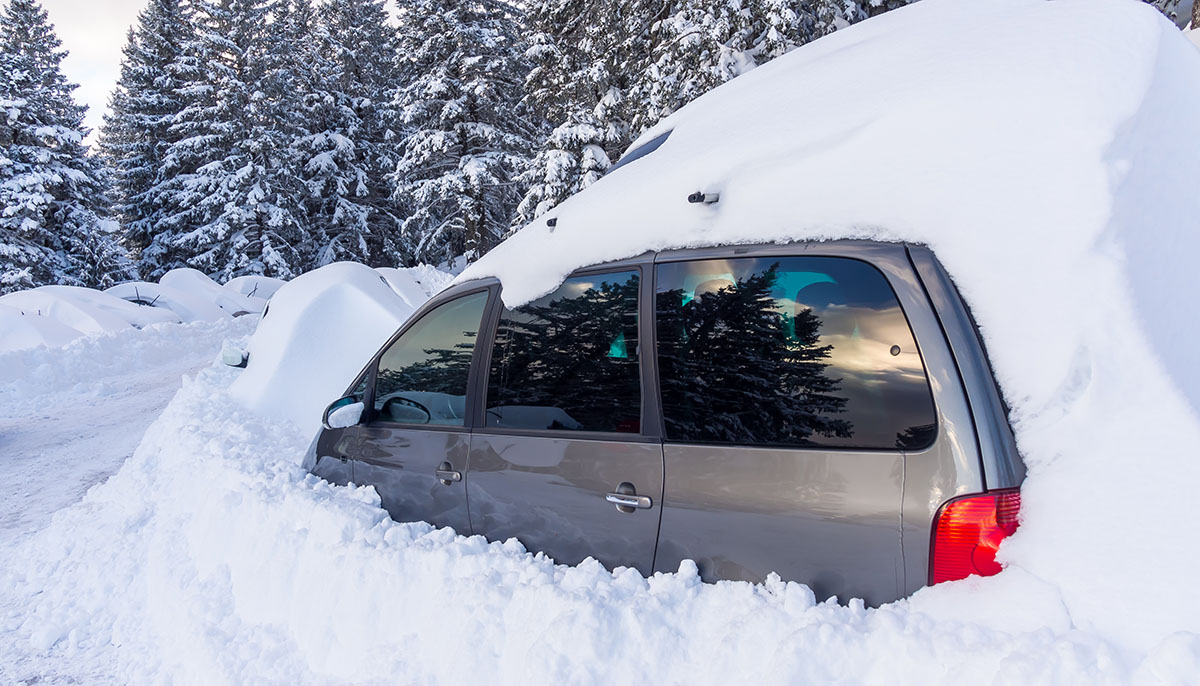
(573, 86)
(352, 143)
(136, 135)
(52, 193)
(468, 136)
(227, 215)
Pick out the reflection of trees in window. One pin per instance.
(444, 370)
(735, 369)
(916, 437)
(576, 353)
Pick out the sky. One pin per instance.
(93, 31)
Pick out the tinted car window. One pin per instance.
(569, 361)
(422, 377)
(806, 351)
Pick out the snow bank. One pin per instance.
(83, 369)
(187, 306)
(321, 330)
(1042, 149)
(212, 558)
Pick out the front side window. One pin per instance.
(422, 377)
(569, 361)
(803, 351)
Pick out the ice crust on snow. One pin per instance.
(1043, 150)
(319, 333)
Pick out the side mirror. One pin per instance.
(342, 413)
(234, 356)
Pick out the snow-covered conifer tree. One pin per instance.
(228, 214)
(137, 135)
(467, 134)
(352, 144)
(53, 198)
(572, 86)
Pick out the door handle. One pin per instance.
(448, 475)
(641, 502)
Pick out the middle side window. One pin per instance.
(569, 360)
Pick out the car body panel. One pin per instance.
(549, 493)
(402, 465)
(828, 518)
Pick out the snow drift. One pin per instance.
(319, 332)
(213, 558)
(1044, 151)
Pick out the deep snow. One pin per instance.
(1044, 150)
(212, 558)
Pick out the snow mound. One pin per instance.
(211, 557)
(84, 309)
(255, 285)
(1042, 149)
(321, 330)
(22, 331)
(187, 306)
(404, 284)
(198, 283)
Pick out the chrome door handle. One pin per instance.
(641, 502)
(447, 475)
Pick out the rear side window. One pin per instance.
(422, 377)
(800, 351)
(569, 361)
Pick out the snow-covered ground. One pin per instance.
(69, 418)
(210, 557)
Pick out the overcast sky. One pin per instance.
(93, 31)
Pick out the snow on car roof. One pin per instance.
(1046, 152)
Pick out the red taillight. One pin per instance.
(967, 532)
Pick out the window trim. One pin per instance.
(373, 422)
(480, 425)
(734, 252)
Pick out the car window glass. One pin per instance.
(422, 377)
(807, 351)
(569, 361)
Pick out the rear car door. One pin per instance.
(560, 460)
(413, 448)
(791, 388)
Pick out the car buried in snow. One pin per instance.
(824, 411)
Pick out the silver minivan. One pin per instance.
(824, 411)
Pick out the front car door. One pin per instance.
(413, 446)
(560, 460)
(791, 388)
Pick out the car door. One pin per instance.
(413, 447)
(791, 388)
(559, 460)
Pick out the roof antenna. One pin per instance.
(702, 197)
(552, 222)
